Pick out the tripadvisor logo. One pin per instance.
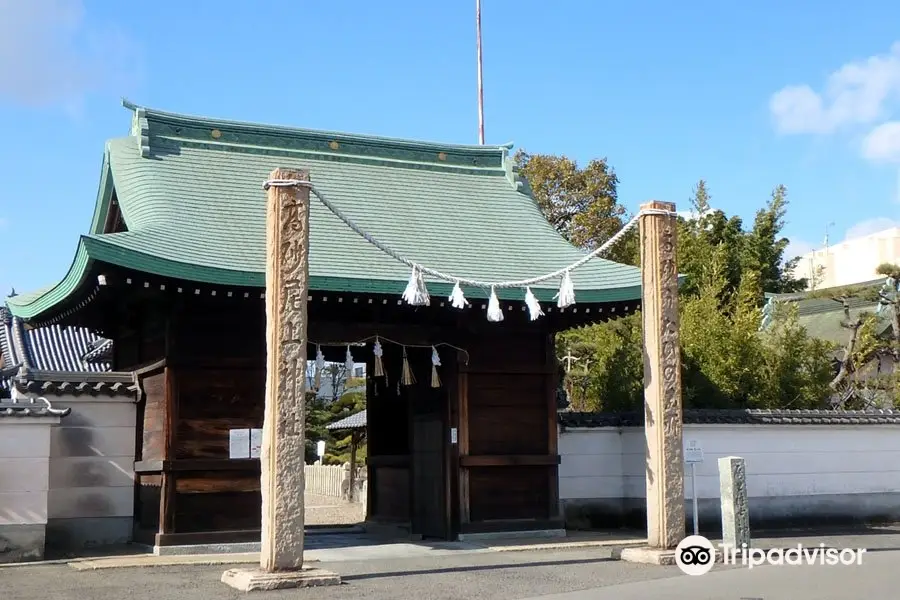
(696, 555)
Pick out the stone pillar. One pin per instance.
(283, 446)
(735, 508)
(662, 378)
(282, 456)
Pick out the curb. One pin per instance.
(613, 544)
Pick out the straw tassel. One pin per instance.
(407, 378)
(457, 299)
(566, 295)
(348, 363)
(320, 367)
(435, 363)
(416, 293)
(494, 312)
(534, 307)
(378, 351)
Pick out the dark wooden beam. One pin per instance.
(509, 460)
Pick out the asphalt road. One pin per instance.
(548, 575)
(876, 577)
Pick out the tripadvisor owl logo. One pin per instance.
(695, 555)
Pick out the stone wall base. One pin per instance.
(75, 534)
(765, 512)
(22, 543)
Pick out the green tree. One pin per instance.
(765, 246)
(709, 233)
(721, 348)
(796, 370)
(581, 203)
(727, 362)
(609, 373)
(317, 417)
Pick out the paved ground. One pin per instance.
(551, 575)
(875, 578)
(324, 510)
(485, 576)
(548, 574)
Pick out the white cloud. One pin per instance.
(855, 94)
(51, 56)
(870, 226)
(882, 144)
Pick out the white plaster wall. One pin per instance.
(782, 460)
(92, 459)
(24, 469)
(852, 261)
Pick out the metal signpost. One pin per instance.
(693, 454)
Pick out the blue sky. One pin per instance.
(745, 96)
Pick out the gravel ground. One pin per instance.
(325, 510)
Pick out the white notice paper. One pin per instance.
(255, 443)
(239, 443)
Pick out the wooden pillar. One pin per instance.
(283, 452)
(662, 378)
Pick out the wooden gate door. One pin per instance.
(430, 447)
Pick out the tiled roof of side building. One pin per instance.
(821, 312)
(462, 210)
(702, 416)
(51, 348)
(56, 360)
(355, 421)
(739, 417)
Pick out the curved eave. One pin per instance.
(92, 249)
(29, 307)
(148, 263)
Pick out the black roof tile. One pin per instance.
(739, 417)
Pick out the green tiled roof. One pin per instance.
(190, 193)
(822, 316)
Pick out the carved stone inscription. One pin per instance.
(735, 508)
(662, 379)
(283, 452)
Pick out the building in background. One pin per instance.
(851, 262)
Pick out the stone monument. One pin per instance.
(735, 508)
(282, 457)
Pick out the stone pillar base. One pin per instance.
(250, 580)
(647, 556)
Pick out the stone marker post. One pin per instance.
(662, 378)
(282, 457)
(735, 508)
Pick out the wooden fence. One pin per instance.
(325, 480)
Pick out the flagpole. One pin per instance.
(480, 82)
